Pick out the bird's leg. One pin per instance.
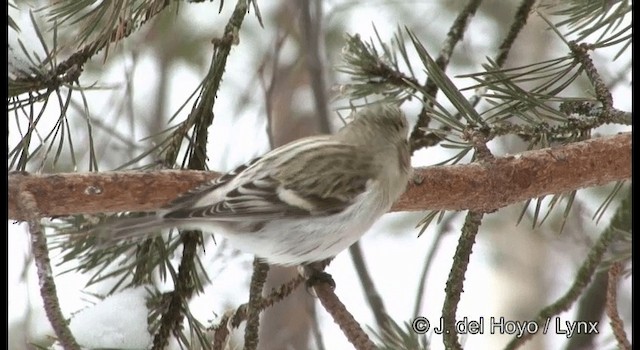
(314, 273)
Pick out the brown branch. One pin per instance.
(233, 320)
(454, 287)
(480, 187)
(581, 53)
(590, 309)
(311, 28)
(612, 307)
(419, 138)
(519, 21)
(45, 276)
(442, 228)
(258, 279)
(350, 327)
(69, 70)
(583, 276)
(172, 317)
(376, 304)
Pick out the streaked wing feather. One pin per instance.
(257, 200)
(309, 184)
(192, 196)
(332, 179)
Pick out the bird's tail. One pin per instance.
(117, 229)
(131, 227)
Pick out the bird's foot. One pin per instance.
(315, 275)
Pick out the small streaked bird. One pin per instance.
(303, 202)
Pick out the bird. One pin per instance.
(301, 203)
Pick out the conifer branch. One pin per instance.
(508, 180)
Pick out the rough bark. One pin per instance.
(481, 187)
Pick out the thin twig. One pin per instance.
(583, 277)
(612, 307)
(172, 317)
(590, 309)
(519, 21)
(45, 275)
(201, 115)
(233, 320)
(311, 27)
(342, 317)
(69, 70)
(442, 229)
(269, 88)
(251, 336)
(479, 141)
(201, 118)
(455, 281)
(454, 36)
(581, 52)
(373, 297)
(453, 289)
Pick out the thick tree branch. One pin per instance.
(481, 187)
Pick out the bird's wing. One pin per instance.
(191, 197)
(304, 185)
